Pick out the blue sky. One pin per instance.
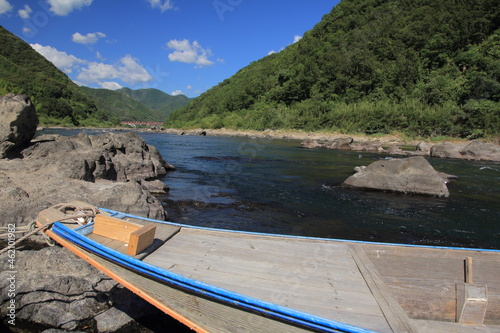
(177, 46)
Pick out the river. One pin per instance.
(274, 186)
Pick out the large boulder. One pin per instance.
(24, 193)
(412, 175)
(478, 150)
(375, 146)
(54, 288)
(109, 170)
(340, 144)
(120, 157)
(18, 122)
(445, 150)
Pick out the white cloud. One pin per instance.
(177, 92)
(5, 6)
(65, 62)
(296, 39)
(99, 56)
(27, 30)
(64, 7)
(129, 71)
(189, 87)
(166, 5)
(26, 12)
(110, 85)
(189, 53)
(90, 38)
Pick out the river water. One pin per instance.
(274, 186)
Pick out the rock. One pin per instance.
(344, 143)
(24, 194)
(360, 168)
(128, 197)
(423, 148)
(55, 330)
(155, 186)
(105, 171)
(412, 175)
(339, 144)
(478, 150)
(54, 288)
(112, 320)
(308, 143)
(18, 122)
(445, 150)
(395, 150)
(120, 157)
(367, 146)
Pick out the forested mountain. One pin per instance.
(57, 99)
(126, 104)
(420, 67)
(157, 100)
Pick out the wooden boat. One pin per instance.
(227, 281)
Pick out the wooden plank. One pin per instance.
(396, 317)
(469, 277)
(141, 239)
(114, 228)
(433, 296)
(200, 313)
(313, 276)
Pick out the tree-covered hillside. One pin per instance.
(157, 100)
(126, 104)
(420, 67)
(57, 99)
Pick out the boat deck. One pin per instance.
(377, 287)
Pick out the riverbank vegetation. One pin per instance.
(422, 68)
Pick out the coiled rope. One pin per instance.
(83, 215)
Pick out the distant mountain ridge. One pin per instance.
(136, 105)
(157, 100)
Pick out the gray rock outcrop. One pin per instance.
(18, 122)
(478, 150)
(54, 288)
(120, 157)
(412, 175)
(445, 150)
(104, 170)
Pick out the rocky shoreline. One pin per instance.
(52, 289)
(485, 150)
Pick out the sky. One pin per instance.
(177, 46)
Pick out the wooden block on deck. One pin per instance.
(114, 228)
(141, 239)
(137, 236)
(472, 300)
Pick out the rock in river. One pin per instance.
(413, 175)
